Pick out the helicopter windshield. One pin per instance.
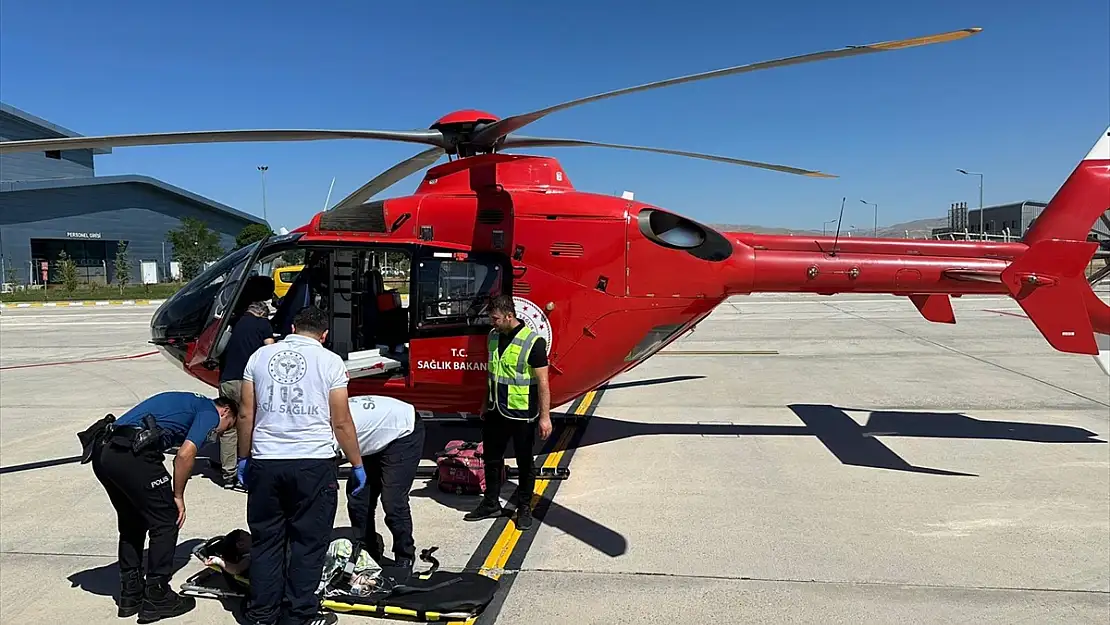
(185, 313)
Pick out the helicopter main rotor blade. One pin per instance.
(390, 177)
(517, 141)
(501, 128)
(430, 137)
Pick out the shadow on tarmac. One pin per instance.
(851, 443)
(546, 511)
(104, 580)
(854, 444)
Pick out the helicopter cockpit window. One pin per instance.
(456, 292)
(186, 312)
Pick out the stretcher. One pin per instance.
(431, 595)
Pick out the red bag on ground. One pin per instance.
(460, 469)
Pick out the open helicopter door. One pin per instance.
(367, 318)
(213, 340)
(451, 325)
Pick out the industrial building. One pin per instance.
(1003, 221)
(52, 202)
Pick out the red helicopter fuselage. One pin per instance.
(608, 281)
(580, 266)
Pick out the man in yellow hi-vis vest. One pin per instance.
(518, 399)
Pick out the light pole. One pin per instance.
(982, 232)
(823, 230)
(876, 233)
(262, 169)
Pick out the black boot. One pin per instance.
(524, 517)
(131, 592)
(487, 509)
(160, 601)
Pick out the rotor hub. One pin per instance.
(458, 127)
(464, 117)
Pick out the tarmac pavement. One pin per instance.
(833, 460)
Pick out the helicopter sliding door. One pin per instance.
(451, 323)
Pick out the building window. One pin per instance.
(54, 154)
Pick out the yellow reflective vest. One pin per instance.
(510, 377)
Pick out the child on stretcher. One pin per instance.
(233, 556)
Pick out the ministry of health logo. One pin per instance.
(533, 317)
(287, 367)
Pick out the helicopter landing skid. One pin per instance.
(473, 417)
(542, 473)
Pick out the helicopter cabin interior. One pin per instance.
(380, 298)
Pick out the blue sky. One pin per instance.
(1022, 101)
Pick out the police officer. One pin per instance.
(391, 441)
(518, 399)
(294, 406)
(130, 465)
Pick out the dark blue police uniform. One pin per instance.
(140, 488)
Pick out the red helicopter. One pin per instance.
(609, 281)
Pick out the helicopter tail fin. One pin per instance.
(1049, 281)
(1049, 284)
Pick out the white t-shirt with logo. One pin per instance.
(379, 421)
(292, 379)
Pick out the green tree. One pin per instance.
(252, 233)
(123, 267)
(293, 257)
(67, 267)
(193, 245)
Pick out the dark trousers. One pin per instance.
(389, 475)
(290, 512)
(497, 431)
(141, 491)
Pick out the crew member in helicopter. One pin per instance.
(250, 331)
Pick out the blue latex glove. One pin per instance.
(358, 474)
(241, 471)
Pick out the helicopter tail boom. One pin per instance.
(1046, 279)
(1046, 273)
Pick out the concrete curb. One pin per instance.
(125, 302)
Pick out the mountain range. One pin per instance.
(918, 229)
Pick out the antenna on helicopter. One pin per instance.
(328, 199)
(838, 221)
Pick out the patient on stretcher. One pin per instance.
(232, 555)
(360, 587)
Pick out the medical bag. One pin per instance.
(460, 469)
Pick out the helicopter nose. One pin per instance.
(174, 351)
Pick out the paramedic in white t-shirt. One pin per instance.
(391, 442)
(294, 411)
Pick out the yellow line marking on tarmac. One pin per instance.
(80, 303)
(505, 544)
